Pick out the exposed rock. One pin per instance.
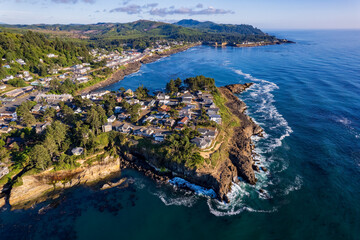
(112, 185)
(2, 202)
(238, 88)
(241, 153)
(36, 186)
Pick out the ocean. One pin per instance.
(306, 97)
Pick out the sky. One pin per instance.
(265, 14)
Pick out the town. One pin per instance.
(180, 106)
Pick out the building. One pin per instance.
(111, 119)
(107, 128)
(215, 118)
(77, 151)
(39, 128)
(202, 142)
(129, 92)
(187, 98)
(3, 170)
(8, 115)
(125, 128)
(53, 97)
(184, 121)
(36, 108)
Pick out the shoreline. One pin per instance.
(240, 163)
(133, 67)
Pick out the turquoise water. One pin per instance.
(306, 97)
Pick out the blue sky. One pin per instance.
(265, 14)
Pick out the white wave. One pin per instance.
(260, 92)
(187, 201)
(348, 124)
(179, 182)
(294, 187)
(344, 121)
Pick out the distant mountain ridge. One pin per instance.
(143, 33)
(220, 28)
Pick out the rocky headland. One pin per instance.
(238, 163)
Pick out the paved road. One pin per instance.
(9, 106)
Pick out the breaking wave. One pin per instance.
(266, 114)
(244, 197)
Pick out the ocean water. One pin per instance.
(306, 96)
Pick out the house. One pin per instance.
(133, 101)
(53, 97)
(209, 133)
(20, 61)
(39, 128)
(107, 128)
(5, 129)
(8, 115)
(119, 99)
(123, 116)
(78, 111)
(51, 55)
(26, 74)
(169, 122)
(162, 96)
(28, 78)
(187, 98)
(159, 137)
(148, 119)
(129, 92)
(36, 108)
(213, 111)
(4, 170)
(111, 119)
(151, 103)
(164, 108)
(77, 151)
(2, 87)
(202, 142)
(7, 66)
(117, 109)
(184, 121)
(215, 118)
(125, 128)
(19, 75)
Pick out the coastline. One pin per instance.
(49, 184)
(133, 67)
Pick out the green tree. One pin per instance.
(40, 157)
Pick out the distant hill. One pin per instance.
(220, 28)
(143, 33)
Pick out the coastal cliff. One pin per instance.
(36, 186)
(238, 163)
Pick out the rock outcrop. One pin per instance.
(36, 186)
(2, 202)
(240, 153)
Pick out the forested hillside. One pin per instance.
(34, 49)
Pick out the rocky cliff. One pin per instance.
(240, 162)
(240, 153)
(36, 186)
